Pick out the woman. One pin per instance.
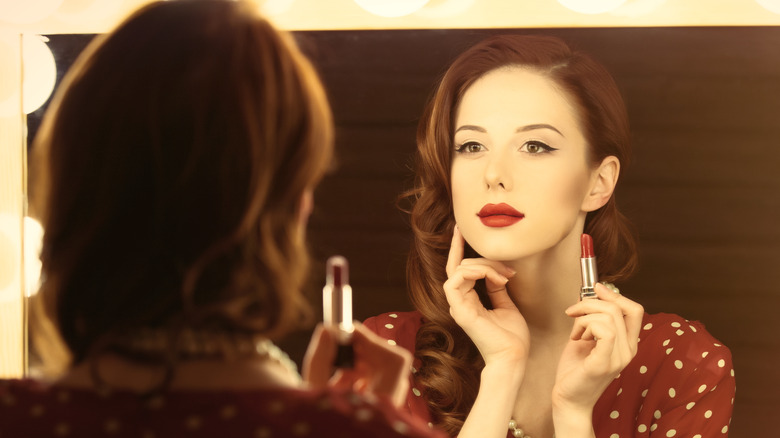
(176, 170)
(519, 152)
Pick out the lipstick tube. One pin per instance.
(588, 268)
(337, 308)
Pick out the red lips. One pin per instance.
(499, 215)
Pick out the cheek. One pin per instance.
(462, 191)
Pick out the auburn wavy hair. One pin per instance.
(451, 364)
(169, 177)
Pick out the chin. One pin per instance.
(503, 251)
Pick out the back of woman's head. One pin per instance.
(604, 122)
(171, 170)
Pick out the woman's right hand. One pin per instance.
(379, 368)
(500, 334)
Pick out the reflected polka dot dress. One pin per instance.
(29, 409)
(680, 384)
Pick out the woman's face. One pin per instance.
(519, 173)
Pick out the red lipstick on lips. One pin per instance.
(499, 215)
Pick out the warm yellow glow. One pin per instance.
(391, 8)
(27, 11)
(83, 13)
(10, 71)
(10, 257)
(40, 72)
(438, 9)
(771, 5)
(33, 239)
(637, 8)
(275, 7)
(96, 16)
(591, 6)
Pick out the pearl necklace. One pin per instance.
(199, 344)
(517, 432)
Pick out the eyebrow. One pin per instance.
(525, 128)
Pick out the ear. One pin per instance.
(602, 184)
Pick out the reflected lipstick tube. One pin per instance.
(337, 307)
(590, 274)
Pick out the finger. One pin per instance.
(599, 331)
(384, 369)
(498, 266)
(633, 312)
(456, 251)
(319, 358)
(479, 272)
(608, 326)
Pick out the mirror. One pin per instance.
(704, 103)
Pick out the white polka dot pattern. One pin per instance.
(30, 409)
(661, 393)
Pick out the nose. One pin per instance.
(497, 174)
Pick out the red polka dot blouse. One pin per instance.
(680, 384)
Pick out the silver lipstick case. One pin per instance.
(589, 278)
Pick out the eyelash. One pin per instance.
(462, 148)
(545, 147)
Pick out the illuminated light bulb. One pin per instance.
(10, 256)
(591, 6)
(770, 5)
(27, 11)
(445, 8)
(40, 72)
(391, 8)
(33, 240)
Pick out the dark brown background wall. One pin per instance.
(703, 188)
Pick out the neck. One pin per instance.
(545, 285)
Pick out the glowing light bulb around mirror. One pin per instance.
(11, 230)
(33, 240)
(40, 72)
(391, 8)
(770, 5)
(591, 6)
(27, 11)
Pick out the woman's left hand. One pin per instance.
(603, 341)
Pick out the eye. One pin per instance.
(537, 147)
(469, 147)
